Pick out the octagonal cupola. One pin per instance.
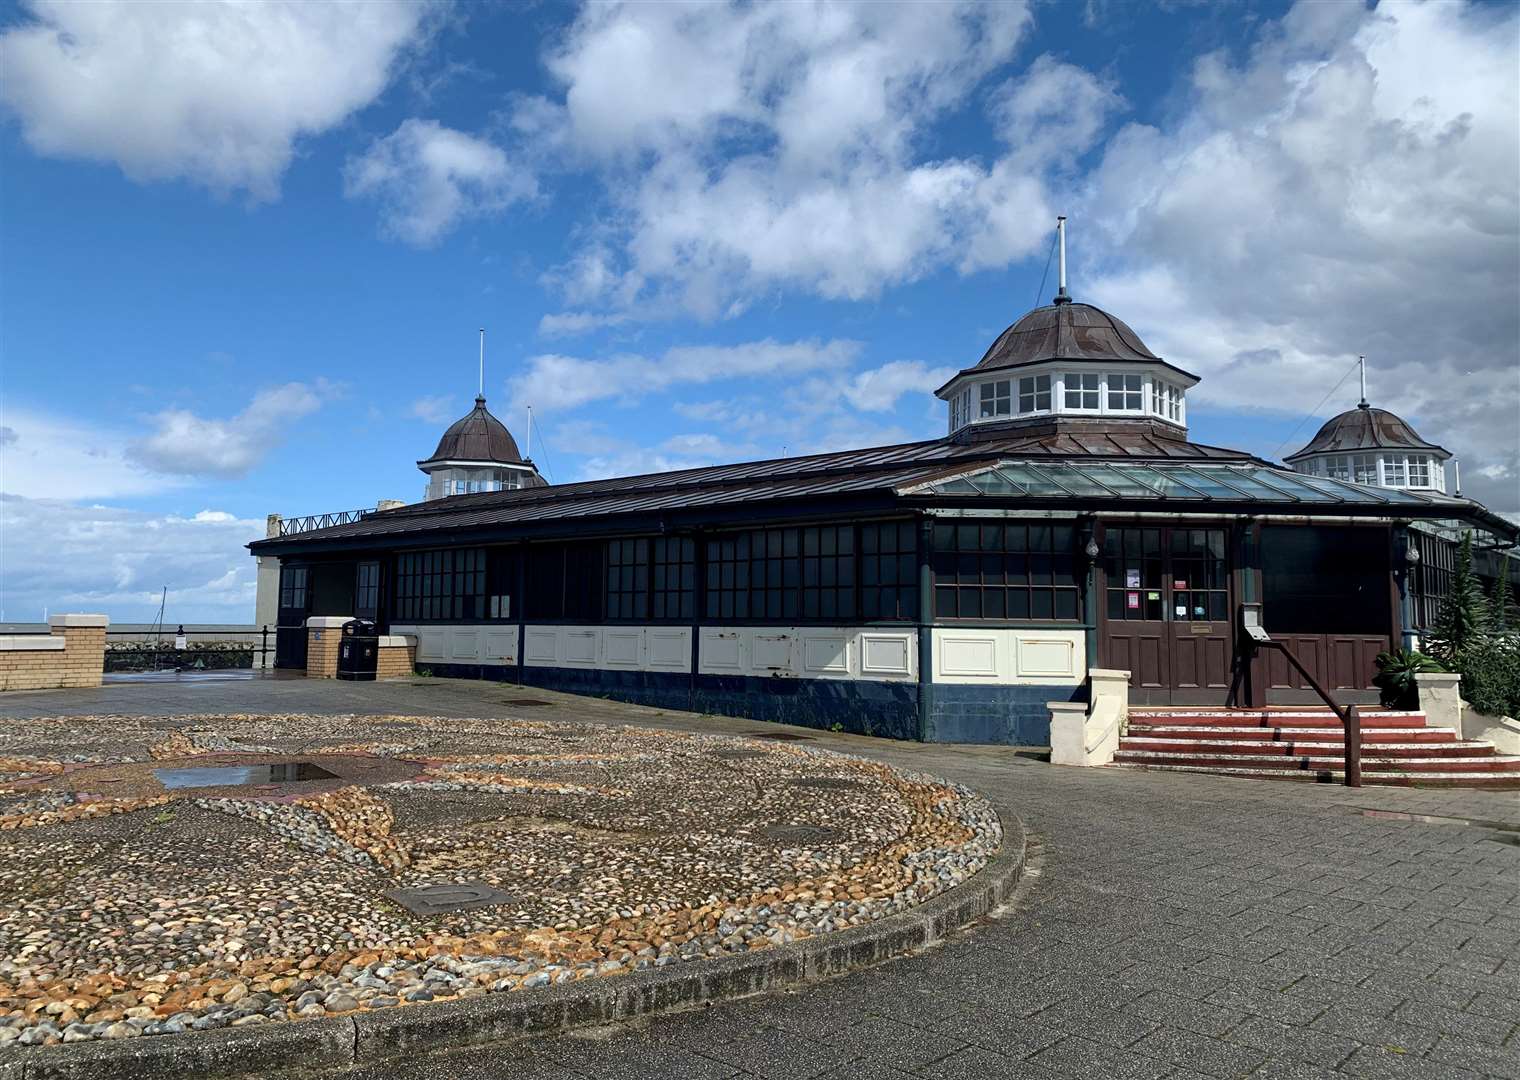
(1373, 447)
(1068, 365)
(477, 453)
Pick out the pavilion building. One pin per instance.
(939, 590)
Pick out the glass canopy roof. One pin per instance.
(1183, 483)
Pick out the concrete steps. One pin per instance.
(1307, 744)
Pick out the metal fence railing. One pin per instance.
(289, 526)
(191, 650)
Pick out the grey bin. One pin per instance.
(359, 651)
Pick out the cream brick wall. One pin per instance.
(79, 663)
(396, 661)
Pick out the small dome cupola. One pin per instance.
(1372, 446)
(1068, 364)
(477, 453)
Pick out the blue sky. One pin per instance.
(239, 242)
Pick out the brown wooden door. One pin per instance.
(1166, 605)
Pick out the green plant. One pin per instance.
(424, 673)
(1463, 617)
(1395, 677)
(836, 726)
(1490, 670)
(1504, 612)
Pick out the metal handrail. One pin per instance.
(289, 526)
(1350, 722)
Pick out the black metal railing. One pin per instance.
(290, 526)
(1351, 723)
(205, 650)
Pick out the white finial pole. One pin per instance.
(530, 433)
(1456, 468)
(482, 390)
(1061, 232)
(1362, 363)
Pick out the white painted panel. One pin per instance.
(1047, 657)
(432, 645)
(771, 652)
(968, 655)
(826, 654)
(541, 645)
(886, 654)
(623, 648)
(722, 652)
(501, 646)
(464, 644)
(580, 648)
(669, 650)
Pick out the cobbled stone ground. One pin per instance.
(1170, 926)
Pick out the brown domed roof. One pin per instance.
(1365, 428)
(1065, 331)
(477, 437)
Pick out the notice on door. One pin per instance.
(1132, 601)
(1131, 579)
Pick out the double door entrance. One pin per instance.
(1164, 595)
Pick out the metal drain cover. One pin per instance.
(527, 703)
(450, 896)
(800, 834)
(785, 736)
(828, 783)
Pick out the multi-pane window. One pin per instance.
(753, 575)
(1393, 471)
(960, 409)
(828, 571)
(1166, 400)
(1419, 470)
(1133, 566)
(628, 579)
(1364, 468)
(1005, 571)
(1200, 580)
(435, 585)
(1082, 390)
(1150, 578)
(564, 581)
(675, 577)
(1124, 393)
(293, 587)
(367, 590)
(1034, 393)
(995, 400)
(889, 569)
(1336, 468)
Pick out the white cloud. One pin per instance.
(185, 444)
(878, 389)
(554, 381)
(1353, 187)
(65, 557)
(1054, 112)
(573, 323)
(435, 409)
(217, 94)
(429, 178)
(753, 147)
(46, 456)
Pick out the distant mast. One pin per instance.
(482, 390)
(1361, 362)
(1061, 295)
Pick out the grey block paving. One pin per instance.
(1172, 927)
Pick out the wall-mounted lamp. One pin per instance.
(1090, 549)
(1411, 553)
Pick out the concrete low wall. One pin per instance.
(71, 654)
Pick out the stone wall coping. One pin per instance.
(327, 622)
(397, 641)
(71, 622)
(31, 643)
(1438, 678)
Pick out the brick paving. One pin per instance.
(1171, 926)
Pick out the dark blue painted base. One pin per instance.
(1005, 715)
(1008, 715)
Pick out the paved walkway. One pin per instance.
(1172, 926)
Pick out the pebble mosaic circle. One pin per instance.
(132, 909)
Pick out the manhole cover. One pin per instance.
(450, 896)
(737, 754)
(293, 772)
(785, 736)
(527, 703)
(800, 834)
(827, 783)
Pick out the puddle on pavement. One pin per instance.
(1508, 833)
(292, 772)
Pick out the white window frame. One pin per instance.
(1036, 389)
(1125, 380)
(994, 399)
(1076, 382)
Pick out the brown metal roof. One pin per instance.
(1365, 428)
(478, 436)
(1065, 331)
(880, 469)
